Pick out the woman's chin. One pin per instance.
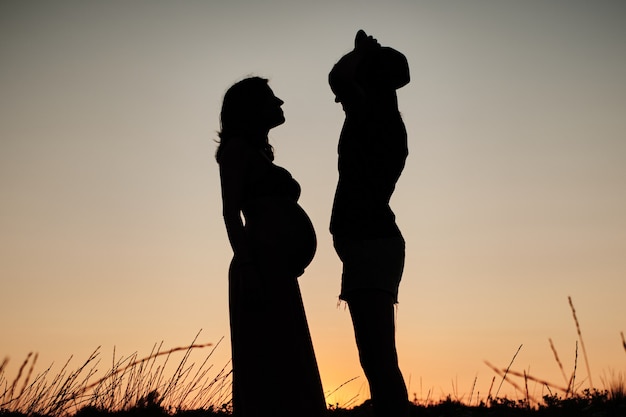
(279, 121)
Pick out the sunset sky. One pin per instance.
(513, 197)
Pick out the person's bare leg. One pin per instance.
(373, 319)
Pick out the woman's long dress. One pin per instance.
(275, 372)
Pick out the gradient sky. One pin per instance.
(513, 197)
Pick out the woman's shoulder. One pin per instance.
(238, 155)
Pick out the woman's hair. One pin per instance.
(240, 115)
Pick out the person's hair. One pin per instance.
(240, 115)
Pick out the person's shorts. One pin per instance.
(371, 264)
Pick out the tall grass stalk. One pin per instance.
(472, 390)
(558, 361)
(489, 398)
(570, 385)
(582, 343)
(507, 370)
(526, 387)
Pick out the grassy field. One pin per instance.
(160, 385)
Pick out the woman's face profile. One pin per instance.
(271, 111)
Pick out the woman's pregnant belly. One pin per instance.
(281, 236)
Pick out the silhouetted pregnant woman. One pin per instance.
(275, 372)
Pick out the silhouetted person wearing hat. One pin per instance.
(372, 153)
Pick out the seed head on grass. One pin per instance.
(570, 386)
(28, 375)
(582, 343)
(19, 374)
(558, 361)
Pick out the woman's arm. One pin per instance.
(233, 171)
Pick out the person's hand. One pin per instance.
(364, 42)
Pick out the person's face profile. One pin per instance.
(271, 109)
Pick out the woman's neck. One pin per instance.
(257, 137)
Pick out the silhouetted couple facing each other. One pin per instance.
(275, 372)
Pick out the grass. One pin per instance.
(137, 387)
(130, 384)
(615, 386)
